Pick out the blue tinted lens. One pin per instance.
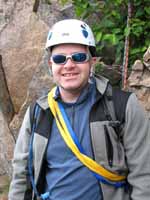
(59, 59)
(79, 57)
(76, 57)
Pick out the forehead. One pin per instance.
(69, 48)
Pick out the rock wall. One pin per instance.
(6, 146)
(5, 99)
(139, 80)
(23, 31)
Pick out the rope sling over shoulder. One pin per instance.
(72, 142)
(103, 175)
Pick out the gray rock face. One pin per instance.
(139, 80)
(40, 84)
(6, 146)
(22, 41)
(23, 31)
(5, 99)
(146, 58)
(21, 58)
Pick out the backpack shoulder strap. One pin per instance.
(115, 105)
(110, 109)
(120, 99)
(42, 119)
(33, 114)
(36, 117)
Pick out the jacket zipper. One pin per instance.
(109, 147)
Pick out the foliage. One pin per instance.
(47, 2)
(108, 20)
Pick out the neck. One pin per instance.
(69, 96)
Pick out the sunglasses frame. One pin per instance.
(71, 57)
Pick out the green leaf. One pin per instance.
(107, 23)
(137, 31)
(79, 11)
(147, 10)
(85, 5)
(110, 38)
(139, 12)
(63, 2)
(137, 22)
(116, 30)
(98, 36)
(137, 3)
(127, 31)
(135, 51)
(144, 48)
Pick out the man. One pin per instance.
(71, 145)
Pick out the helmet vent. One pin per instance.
(85, 33)
(50, 35)
(65, 34)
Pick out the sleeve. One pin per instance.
(19, 183)
(136, 141)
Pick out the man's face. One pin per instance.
(71, 76)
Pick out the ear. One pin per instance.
(49, 63)
(50, 67)
(93, 60)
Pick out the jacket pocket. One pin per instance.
(108, 149)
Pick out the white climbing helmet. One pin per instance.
(70, 31)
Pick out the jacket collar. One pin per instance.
(43, 102)
(101, 84)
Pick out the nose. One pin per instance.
(69, 63)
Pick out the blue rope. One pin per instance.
(72, 133)
(45, 196)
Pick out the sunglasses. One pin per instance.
(75, 57)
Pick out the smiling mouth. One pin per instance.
(70, 74)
